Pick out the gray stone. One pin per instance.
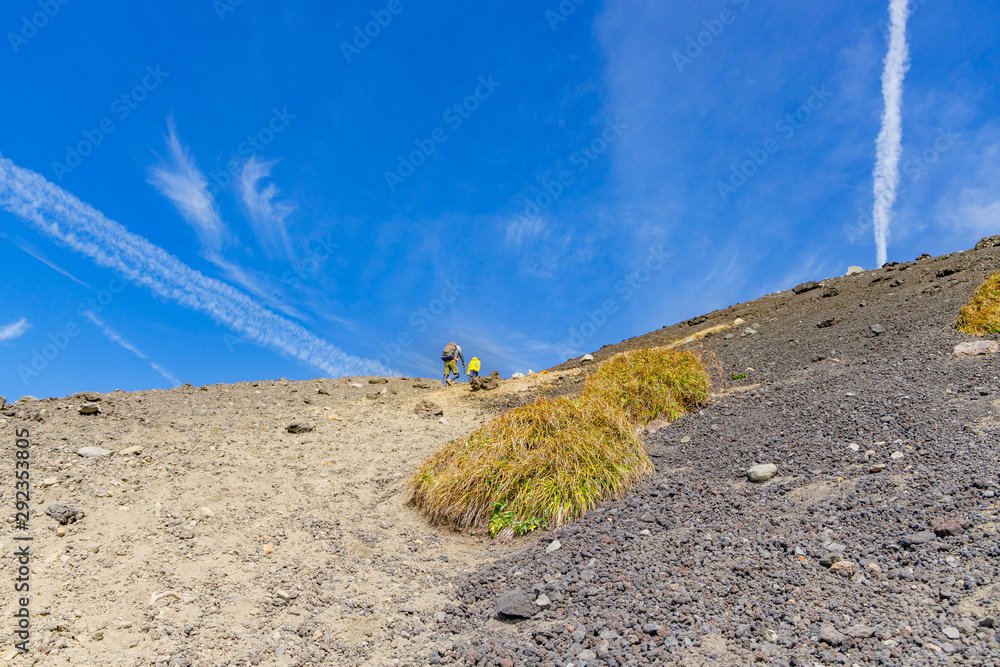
(428, 409)
(89, 409)
(586, 654)
(554, 545)
(516, 604)
(854, 270)
(652, 628)
(543, 601)
(64, 514)
(762, 473)
(488, 383)
(976, 348)
(94, 452)
(877, 329)
(914, 539)
(587, 357)
(860, 631)
(952, 633)
(829, 635)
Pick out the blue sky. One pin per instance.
(218, 191)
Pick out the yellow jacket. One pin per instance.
(474, 364)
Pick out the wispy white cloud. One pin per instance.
(15, 330)
(58, 214)
(265, 211)
(889, 143)
(182, 182)
(116, 337)
(37, 254)
(524, 229)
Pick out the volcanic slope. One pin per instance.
(875, 543)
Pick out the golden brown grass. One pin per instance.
(548, 462)
(652, 382)
(981, 315)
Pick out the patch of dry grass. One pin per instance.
(981, 315)
(548, 462)
(652, 382)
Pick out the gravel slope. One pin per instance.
(309, 554)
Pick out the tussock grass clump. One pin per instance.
(981, 315)
(548, 462)
(540, 464)
(648, 383)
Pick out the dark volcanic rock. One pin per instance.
(296, 427)
(806, 287)
(913, 539)
(64, 514)
(516, 604)
(428, 409)
(490, 382)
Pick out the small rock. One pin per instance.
(844, 565)
(269, 548)
(877, 329)
(543, 601)
(896, 456)
(874, 568)
(988, 622)
(806, 287)
(587, 357)
(830, 322)
(517, 376)
(647, 518)
(64, 513)
(913, 539)
(488, 383)
(854, 447)
(378, 381)
(443, 420)
(131, 451)
(949, 528)
(685, 440)
(951, 633)
(976, 348)
(828, 634)
(428, 409)
(94, 452)
(49, 481)
(656, 425)
(651, 628)
(296, 427)
(206, 512)
(586, 654)
(440, 617)
(854, 270)
(516, 604)
(89, 409)
(285, 595)
(761, 473)
(859, 631)
(555, 545)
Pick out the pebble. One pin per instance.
(554, 545)
(130, 451)
(762, 473)
(897, 455)
(952, 633)
(94, 452)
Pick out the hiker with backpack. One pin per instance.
(450, 356)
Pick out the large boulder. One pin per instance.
(976, 348)
(491, 381)
(516, 604)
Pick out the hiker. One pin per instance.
(473, 367)
(450, 356)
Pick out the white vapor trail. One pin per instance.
(55, 212)
(116, 337)
(889, 143)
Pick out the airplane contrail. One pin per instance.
(889, 143)
(58, 214)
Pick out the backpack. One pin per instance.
(449, 352)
